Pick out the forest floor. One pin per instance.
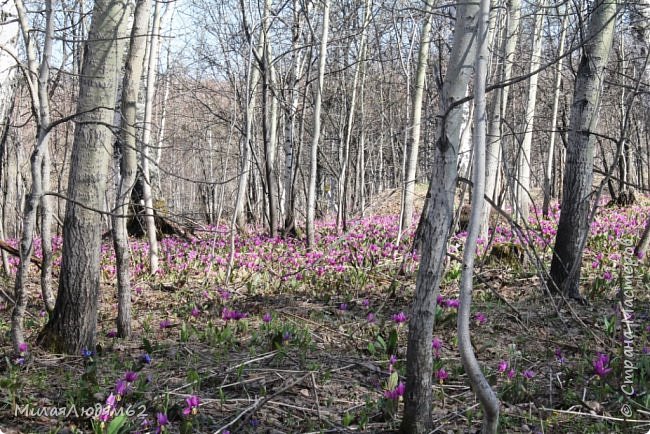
(304, 341)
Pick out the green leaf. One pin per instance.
(147, 345)
(391, 348)
(392, 381)
(116, 424)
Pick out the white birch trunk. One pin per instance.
(480, 386)
(313, 166)
(548, 169)
(525, 153)
(145, 152)
(499, 104)
(416, 120)
(128, 163)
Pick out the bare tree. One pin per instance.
(408, 193)
(578, 172)
(72, 325)
(435, 223)
(548, 172)
(499, 104)
(480, 386)
(38, 84)
(313, 166)
(524, 154)
(128, 163)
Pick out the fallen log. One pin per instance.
(14, 252)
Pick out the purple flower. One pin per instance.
(400, 318)
(130, 376)
(343, 306)
(600, 364)
(395, 393)
(23, 348)
(452, 303)
(165, 324)
(111, 400)
(121, 389)
(528, 374)
(267, 318)
(371, 318)
(192, 403)
(145, 358)
(511, 374)
(195, 312)
(286, 337)
(607, 275)
(228, 315)
(436, 345)
(162, 420)
(111, 334)
(441, 375)
(391, 361)
(106, 414)
(558, 355)
(480, 318)
(503, 366)
(365, 303)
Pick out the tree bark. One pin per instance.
(499, 104)
(269, 124)
(71, 328)
(578, 171)
(477, 380)
(145, 154)
(128, 163)
(548, 172)
(435, 224)
(37, 80)
(416, 119)
(525, 153)
(313, 166)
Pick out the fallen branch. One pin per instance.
(15, 252)
(249, 411)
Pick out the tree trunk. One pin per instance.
(477, 380)
(341, 216)
(38, 87)
(145, 154)
(290, 135)
(435, 224)
(416, 120)
(128, 163)
(269, 124)
(548, 172)
(499, 104)
(525, 153)
(578, 171)
(71, 328)
(313, 166)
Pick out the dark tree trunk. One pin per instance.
(573, 226)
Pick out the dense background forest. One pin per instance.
(269, 216)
